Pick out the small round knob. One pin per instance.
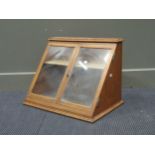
(68, 75)
(110, 75)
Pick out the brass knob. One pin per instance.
(68, 75)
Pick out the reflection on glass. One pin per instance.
(86, 75)
(52, 71)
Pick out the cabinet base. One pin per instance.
(66, 113)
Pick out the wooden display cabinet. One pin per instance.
(78, 77)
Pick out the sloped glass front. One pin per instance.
(86, 75)
(52, 71)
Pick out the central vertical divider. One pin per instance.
(67, 74)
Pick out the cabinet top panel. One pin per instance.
(82, 39)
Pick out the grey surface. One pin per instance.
(136, 116)
(22, 43)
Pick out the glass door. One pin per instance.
(86, 75)
(52, 71)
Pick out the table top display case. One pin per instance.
(78, 77)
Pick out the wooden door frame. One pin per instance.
(30, 93)
(90, 109)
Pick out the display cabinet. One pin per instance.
(78, 77)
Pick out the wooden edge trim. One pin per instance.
(97, 45)
(58, 111)
(62, 44)
(38, 69)
(100, 115)
(68, 107)
(83, 39)
(69, 114)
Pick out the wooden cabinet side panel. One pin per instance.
(111, 90)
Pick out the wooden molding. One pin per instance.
(83, 39)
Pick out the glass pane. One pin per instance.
(52, 71)
(86, 75)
